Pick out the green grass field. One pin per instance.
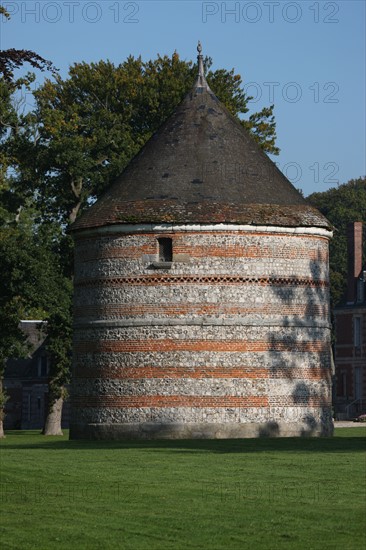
(254, 493)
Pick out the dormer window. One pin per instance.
(165, 249)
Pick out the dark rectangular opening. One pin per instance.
(165, 249)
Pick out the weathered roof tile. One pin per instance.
(201, 166)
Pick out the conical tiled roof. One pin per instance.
(201, 167)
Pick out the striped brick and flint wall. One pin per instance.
(231, 339)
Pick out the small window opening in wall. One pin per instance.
(165, 249)
(43, 366)
(344, 384)
(360, 290)
(357, 331)
(29, 407)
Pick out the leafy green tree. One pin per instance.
(34, 283)
(341, 205)
(33, 287)
(59, 348)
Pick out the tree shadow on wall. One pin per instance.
(300, 333)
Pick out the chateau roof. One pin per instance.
(201, 166)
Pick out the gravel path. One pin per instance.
(348, 424)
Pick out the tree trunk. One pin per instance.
(73, 212)
(52, 425)
(2, 435)
(76, 187)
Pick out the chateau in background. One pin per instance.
(201, 292)
(26, 384)
(350, 325)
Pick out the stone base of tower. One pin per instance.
(153, 430)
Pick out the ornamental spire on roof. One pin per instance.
(201, 81)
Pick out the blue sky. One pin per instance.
(307, 57)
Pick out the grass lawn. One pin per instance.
(244, 494)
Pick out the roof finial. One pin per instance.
(201, 80)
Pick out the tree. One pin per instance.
(36, 281)
(33, 284)
(59, 347)
(91, 124)
(341, 205)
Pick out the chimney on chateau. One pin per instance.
(354, 247)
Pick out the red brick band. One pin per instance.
(115, 401)
(226, 401)
(207, 251)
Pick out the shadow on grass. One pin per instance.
(353, 441)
